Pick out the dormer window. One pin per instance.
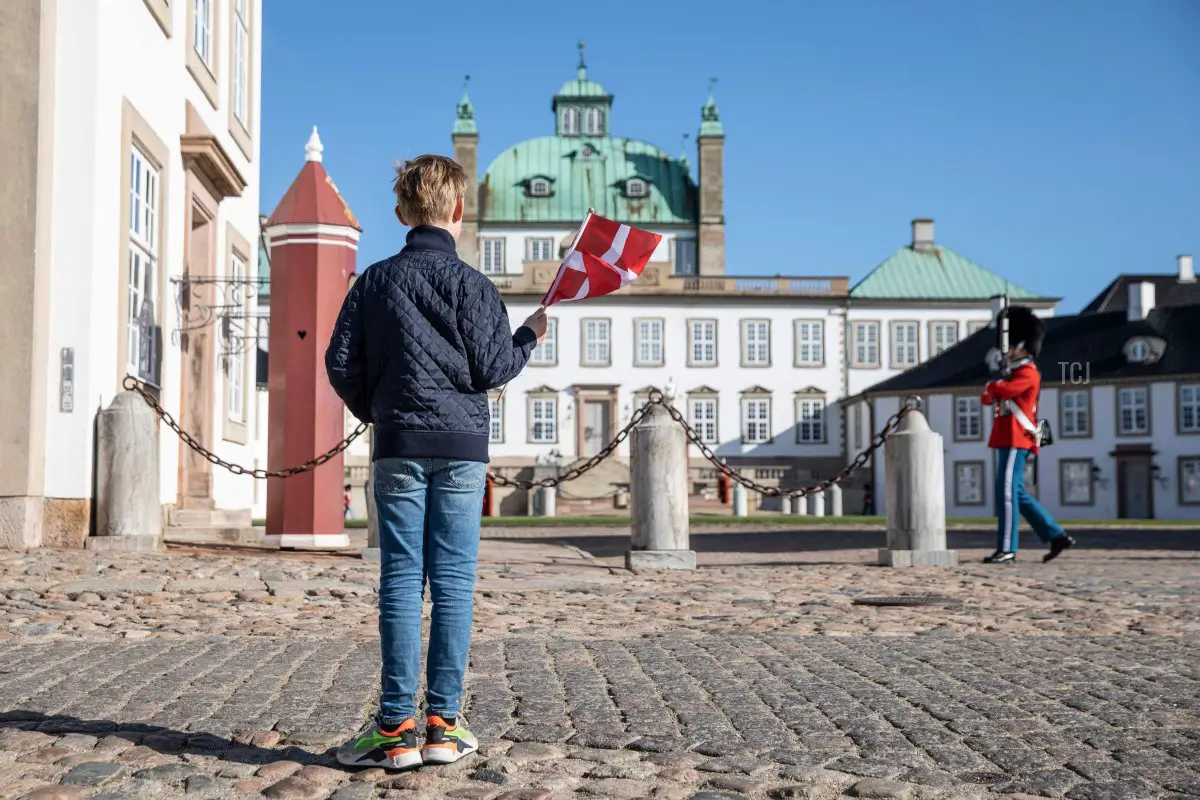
(540, 187)
(593, 124)
(570, 122)
(636, 187)
(1144, 350)
(1139, 351)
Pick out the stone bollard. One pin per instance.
(548, 495)
(658, 495)
(915, 477)
(818, 504)
(129, 509)
(835, 501)
(785, 506)
(739, 500)
(371, 551)
(800, 505)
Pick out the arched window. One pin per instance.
(636, 187)
(1139, 351)
(539, 187)
(594, 122)
(570, 122)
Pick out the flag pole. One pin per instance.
(557, 278)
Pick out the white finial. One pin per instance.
(314, 148)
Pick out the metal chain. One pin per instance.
(133, 384)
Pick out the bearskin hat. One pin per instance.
(1025, 329)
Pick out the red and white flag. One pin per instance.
(606, 255)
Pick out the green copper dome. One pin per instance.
(582, 87)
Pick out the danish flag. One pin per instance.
(606, 255)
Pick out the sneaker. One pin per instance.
(445, 744)
(1057, 545)
(1001, 557)
(375, 746)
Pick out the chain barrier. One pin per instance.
(656, 398)
(134, 385)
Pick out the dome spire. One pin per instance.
(710, 115)
(582, 62)
(313, 149)
(464, 122)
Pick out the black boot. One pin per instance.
(1001, 557)
(1057, 545)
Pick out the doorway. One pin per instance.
(1135, 481)
(196, 344)
(597, 426)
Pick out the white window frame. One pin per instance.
(905, 353)
(202, 31)
(491, 255)
(637, 188)
(939, 340)
(1188, 398)
(756, 342)
(810, 419)
(968, 414)
(593, 121)
(975, 326)
(235, 404)
(241, 62)
(597, 342)
(704, 417)
(1128, 400)
(702, 345)
(539, 248)
(758, 429)
(1072, 410)
(495, 420)
(543, 420)
(540, 187)
(865, 351)
(1139, 351)
(1086, 481)
(963, 472)
(1189, 480)
(810, 343)
(648, 348)
(141, 278)
(546, 352)
(571, 119)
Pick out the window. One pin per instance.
(570, 121)
(593, 122)
(968, 483)
(942, 336)
(1076, 413)
(968, 419)
(539, 187)
(756, 420)
(141, 320)
(810, 420)
(636, 187)
(810, 343)
(648, 347)
(702, 344)
(1189, 408)
(543, 417)
(685, 257)
(1139, 351)
(905, 352)
(493, 256)
(865, 337)
(496, 419)
(597, 351)
(702, 415)
(241, 61)
(546, 353)
(756, 343)
(202, 31)
(1133, 412)
(539, 249)
(975, 326)
(1075, 481)
(1189, 480)
(236, 363)
(856, 417)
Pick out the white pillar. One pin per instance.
(800, 505)
(658, 495)
(129, 513)
(549, 494)
(915, 478)
(835, 501)
(739, 500)
(785, 506)
(818, 507)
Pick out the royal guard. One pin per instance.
(1017, 433)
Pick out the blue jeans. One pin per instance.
(1014, 502)
(429, 510)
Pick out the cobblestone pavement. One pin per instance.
(227, 674)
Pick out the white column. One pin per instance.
(915, 475)
(659, 532)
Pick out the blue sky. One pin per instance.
(1056, 143)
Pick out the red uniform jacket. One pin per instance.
(1022, 389)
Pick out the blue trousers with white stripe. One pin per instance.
(1014, 502)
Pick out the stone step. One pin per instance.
(209, 518)
(233, 535)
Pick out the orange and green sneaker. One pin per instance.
(446, 743)
(376, 746)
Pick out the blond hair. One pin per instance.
(427, 188)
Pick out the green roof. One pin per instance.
(936, 274)
(588, 172)
(464, 122)
(710, 118)
(581, 87)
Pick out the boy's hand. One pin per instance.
(537, 323)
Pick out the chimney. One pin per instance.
(997, 304)
(922, 235)
(1186, 273)
(1141, 300)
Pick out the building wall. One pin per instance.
(1167, 441)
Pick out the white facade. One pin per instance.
(1121, 449)
(514, 246)
(126, 100)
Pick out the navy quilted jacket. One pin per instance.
(420, 340)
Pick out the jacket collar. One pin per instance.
(1020, 362)
(427, 237)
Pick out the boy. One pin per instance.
(420, 340)
(1014, 436)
